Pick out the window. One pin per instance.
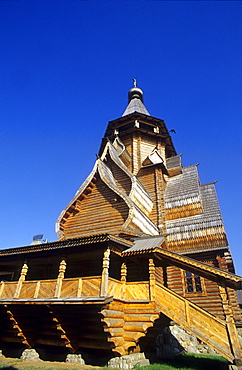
(193, 283)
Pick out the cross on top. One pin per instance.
(135, 82)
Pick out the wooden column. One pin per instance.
(152, 279)
(61, 275)
(123, 279)
(231, 328)
(21, 280)
(104, 281)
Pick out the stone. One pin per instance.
(128, 362)
(175, 339)
(30, 355)
(75, 359)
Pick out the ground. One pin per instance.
(14, 363)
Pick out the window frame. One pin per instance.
(194, 293)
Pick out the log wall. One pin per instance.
(100, 212)
(209, 299)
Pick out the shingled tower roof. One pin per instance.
(135, 102)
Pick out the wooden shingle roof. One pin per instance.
(194, 217)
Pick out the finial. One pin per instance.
(135, 82)
(135, 92)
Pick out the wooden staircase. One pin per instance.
(129, 321)
(219, 334)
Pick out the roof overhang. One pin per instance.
(222, 277)
(85, 243)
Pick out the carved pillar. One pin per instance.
(152, 278)
(231, 328)
(123, 279)
(104, 281)
(21, 280)
(61, 275)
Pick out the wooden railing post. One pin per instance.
(2, 288)
(231, 328)
(79, 289)
(152, 279)
(21, 279)
(61, 275)
(37, 289)
(104, 281)
(123, 279)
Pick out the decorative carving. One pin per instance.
(104, 281)
(152, 279)
(61, 275)
(21, 280)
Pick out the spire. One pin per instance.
(135, 98)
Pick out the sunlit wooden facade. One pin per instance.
(141, 243)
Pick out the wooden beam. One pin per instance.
(95, 344)
(19, 333)
(202, 269)
(61, 332)
(79, 289)
(36, 293)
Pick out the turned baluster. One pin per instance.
(61, 275)
(104, 280)
(21, 279)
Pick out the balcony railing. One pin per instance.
(73, 288)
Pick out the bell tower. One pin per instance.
(145, 138)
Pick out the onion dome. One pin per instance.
(135, 101)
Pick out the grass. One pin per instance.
(181, 362)
(190, 361)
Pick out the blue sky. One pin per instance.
(65, 70)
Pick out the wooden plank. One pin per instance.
(91, 287)
(47, 289)
(70, 288)
(9, 290)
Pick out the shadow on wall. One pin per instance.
(166, 345)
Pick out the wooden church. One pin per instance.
(141, 243)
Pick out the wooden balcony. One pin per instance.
(128, 309)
